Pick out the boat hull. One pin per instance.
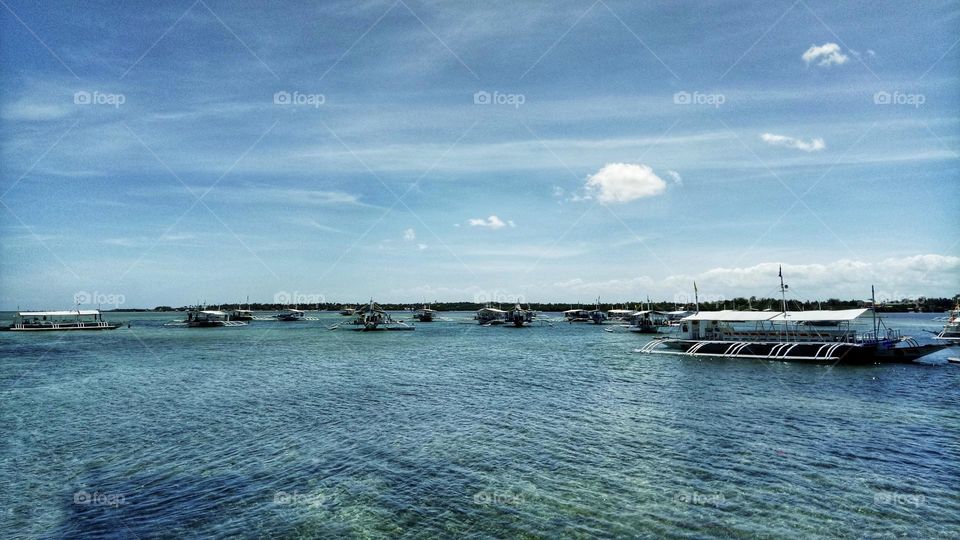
(811, 352)
(61, 327)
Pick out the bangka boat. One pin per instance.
(789, 336)
(519, 317)
(39, 321)
(951, 330)
(290, 314)
(488, 316)
(620, 315)
(204, 318)
(372, 317)
(347, 311)
(424, 314)
(648, 322)
(241, 315)
(576, 315)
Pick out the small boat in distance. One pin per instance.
(519, 317)
(620, 315)
(951, 330)
(576, 315)
(290, 315)
(489, 316)
(347, 311)
(424, 314)
(648, 322)
(207, 318)
(241, 315)
(39, 321)
(372, 317)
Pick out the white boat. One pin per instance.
(824, 336)
(39, 321)
(347, 311)
(951, 330)
(648, 322)
(208, 318)
(241, 315)
(290, 314)
(424, 314)
(576, 315)
(519, 317)
(620, 315)
(372, 317)
(488, 316)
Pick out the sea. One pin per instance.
(455, 430)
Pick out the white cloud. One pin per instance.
(825, 55)
(409, 235)
(677, 179)
(624, 182)
(492, 222)
(422, 247)
(814, 145)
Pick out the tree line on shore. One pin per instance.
(922, 304)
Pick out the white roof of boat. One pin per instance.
(212, 312)
(293, 310)
(622, 311)
(644, 312)
(730, 315)
(821, 315)
(58, 313)
(492, 309)
(578, 310)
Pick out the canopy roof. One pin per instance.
(494, 310)
(58, 313)
(622, 311)
(212, 312)
(730, 315)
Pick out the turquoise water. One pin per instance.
(460, 431)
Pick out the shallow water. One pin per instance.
(455, 430)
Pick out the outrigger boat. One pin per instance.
(648, 322)
(576, 315)
(290, 314)
(241, 315)
(347, 311)
(211, 319)
(620, 315)
(424, 314)
(951, 330)
(489, 316)
(40, 321)
(519, 317)
(820, 336)
(372, 317)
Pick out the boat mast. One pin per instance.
(783, 294)
(696, 297)
(873, 304)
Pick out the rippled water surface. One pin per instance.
(460, 431)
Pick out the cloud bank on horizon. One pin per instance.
(200, 150)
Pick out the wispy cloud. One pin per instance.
(813, 145)
(492, 222)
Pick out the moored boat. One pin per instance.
(519, 317)
(39, 321)
(372, 317)
(424, 314)
(488, 316)
(207, 318)
(951, 330)
(290, 315)
(241, 315)
(648, 322)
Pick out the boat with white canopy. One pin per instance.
(372, 317)
(951, 330)
(826, 336)
(39, 321)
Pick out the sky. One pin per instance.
(169, 153)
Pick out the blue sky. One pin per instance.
(625, 150)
